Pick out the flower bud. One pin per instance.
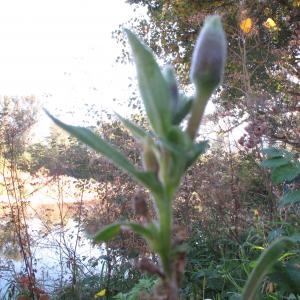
(209, 56)
(207, 68)
(149, 160)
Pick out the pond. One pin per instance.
(55, 245)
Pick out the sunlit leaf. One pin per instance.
(141, 230)
(91, 139)
(153, 86)
(136, 131)
(100, 294)
(108, 233)
(246, 25)
(270, 24)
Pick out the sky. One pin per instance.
(62, 52)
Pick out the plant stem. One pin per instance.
(166, 235)
(165, 248)
(197, 112)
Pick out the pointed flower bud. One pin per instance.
(209, 56)
(207, 68)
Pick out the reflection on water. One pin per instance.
(8, 245)
(56, 241)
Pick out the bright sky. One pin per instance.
(62, 52)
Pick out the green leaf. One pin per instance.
(287, 277)
(291, 197)
(267, 259)
(184, 108)
(178, 140)
(274, 162)
(136, 131)
(108, 233)
(198, 149)
(170, 77)
(153, 86)
(286, 172)
(275, 152)
(89, 138)
(272, 152)
(141, 230)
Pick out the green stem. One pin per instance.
(197, 112)
(166, 235)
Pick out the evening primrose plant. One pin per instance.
(169, 148)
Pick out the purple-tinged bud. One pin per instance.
(209, 56)
(207, 68)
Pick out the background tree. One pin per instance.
(18, 115)
(261, 84)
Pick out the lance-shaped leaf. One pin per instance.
(91, 139)
(111, 231)
(141, 230)
(198, 149)
(169, 75)
(184, 108)
(107, 233)
(268, 258)
(135, 130)
(153, 86)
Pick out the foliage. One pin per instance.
(260, 83)
(141, 289)
(285, 168)
(18, 115)
(121, 278)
